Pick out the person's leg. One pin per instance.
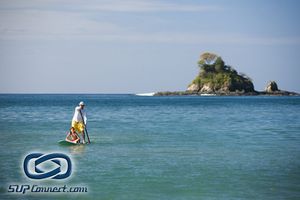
(81, 127)
(83, 137)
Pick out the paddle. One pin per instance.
(85, 127)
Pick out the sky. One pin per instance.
(139, 46)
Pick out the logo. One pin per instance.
(41, 166)
(58, 166)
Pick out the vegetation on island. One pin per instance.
(216, 76)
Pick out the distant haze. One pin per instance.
(137, 46)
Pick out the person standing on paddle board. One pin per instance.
(79, 120)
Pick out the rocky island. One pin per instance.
(217, 78)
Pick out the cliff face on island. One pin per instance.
(217, 77)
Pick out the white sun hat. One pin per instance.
(81, 103)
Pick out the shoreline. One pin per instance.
(237, 93)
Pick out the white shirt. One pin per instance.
(77, 116)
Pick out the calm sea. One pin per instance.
(159, 147)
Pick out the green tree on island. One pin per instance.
(215, 76)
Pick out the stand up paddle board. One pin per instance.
(66, 143)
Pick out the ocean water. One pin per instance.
(159, 147)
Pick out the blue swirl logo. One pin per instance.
(35, 165)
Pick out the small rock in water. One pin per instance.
(271, 87)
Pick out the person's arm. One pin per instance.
(77, 139)
(78, 108)
(68, 137)
(84, 118)
(76, 116)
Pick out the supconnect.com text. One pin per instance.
(25, 188)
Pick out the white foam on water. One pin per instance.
(146, 94)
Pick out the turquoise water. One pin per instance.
(159, 147)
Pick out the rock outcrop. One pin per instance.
(193, 87)
(216, 77)
(271, 87)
